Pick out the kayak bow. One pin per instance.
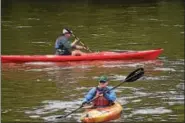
(102, 114)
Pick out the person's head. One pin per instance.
(103, 81)
(66, 32)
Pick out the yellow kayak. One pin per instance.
(102, 114)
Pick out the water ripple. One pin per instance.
(158, 110)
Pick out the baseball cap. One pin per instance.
(103, 79)
(65, 31)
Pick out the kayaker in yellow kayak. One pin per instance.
(101, 99)
(64, 46)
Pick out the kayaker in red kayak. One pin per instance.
(64, 46)
(102, 99)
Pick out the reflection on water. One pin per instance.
(148, 99)
(136, 96)
(158, 110)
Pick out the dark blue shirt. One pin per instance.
(63, 45)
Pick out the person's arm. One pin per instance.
(90, 95)
(56, 44)
(79, 47)
(111, 95)
(59, 41)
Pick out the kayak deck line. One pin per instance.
(104, 55)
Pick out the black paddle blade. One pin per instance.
(138, 73)
(60, 117)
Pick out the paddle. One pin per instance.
(78, 39)
(133, 76)
(81, 43)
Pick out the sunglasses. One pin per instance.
(103, 81)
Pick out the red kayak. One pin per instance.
(129, 55)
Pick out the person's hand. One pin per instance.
(59, 50)
(99, 94)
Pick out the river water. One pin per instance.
(41, 91)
